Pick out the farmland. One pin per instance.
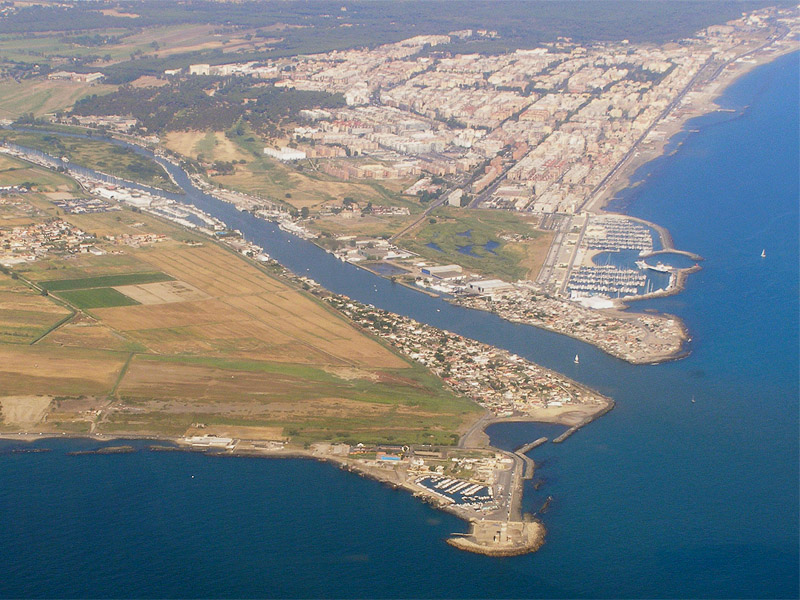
(19, 172)
(170, 335)
(97, 298)
(83, 283)
(43, 96)
(24, 313)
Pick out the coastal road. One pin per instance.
(670, 107)
(571, 262)
(551, 260)
(475, 436)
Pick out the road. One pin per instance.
(562, 229)
(571, 262)
(435, 204)
(670, 107)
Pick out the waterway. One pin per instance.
(663, 497)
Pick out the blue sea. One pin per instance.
(662, 498)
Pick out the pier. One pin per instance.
(584, 423)
(528, 447)
(521, 452)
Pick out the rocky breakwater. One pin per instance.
(501, 538)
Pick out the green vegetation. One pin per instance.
(214, 103)
(60, 285)
(206, 146)
(456, 229)
(302, 185)
(38, 98)
(15, 171)
(39, 37)
(97, 298)
(96, 154)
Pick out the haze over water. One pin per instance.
(661, 498)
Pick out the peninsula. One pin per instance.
(482, 176)
(127, 319)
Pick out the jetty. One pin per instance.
(525, 448)
(500, 538)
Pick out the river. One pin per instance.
(663, 497)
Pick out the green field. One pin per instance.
(18, 172)
(398, 407)
(60, 285)
(97, 298)
(303, 185)
(454, 228)
(42, 97)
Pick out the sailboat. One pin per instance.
(576, 361)
(764, 253)
(693, 400)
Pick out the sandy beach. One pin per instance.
(695, 104)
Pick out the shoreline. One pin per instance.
(520, 534)
(703, 103)
(510, 533)
(616, 312)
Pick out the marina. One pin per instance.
(460, 493)
(611, 261)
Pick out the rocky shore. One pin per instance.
(501, 538)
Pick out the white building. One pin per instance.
(454, 198)
(199, 69)
(285, 154)
(490, 287)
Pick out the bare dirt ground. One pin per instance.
(162, 292)
(24, 411)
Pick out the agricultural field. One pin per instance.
(475, 240)
(108, 46)
(82, 283)
(26, 315)
(321, 403)
(42, 96)
(172, 335)
(162, 42)
(19, 172)
(97, 298)
(43, 370)
(102, 156)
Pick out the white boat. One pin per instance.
(659, 266)
(764, 253)
(577, 360)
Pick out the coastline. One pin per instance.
(701, 103)
(297, 453)
(513, 536)
(503, 531)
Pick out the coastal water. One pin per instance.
(664, 497)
